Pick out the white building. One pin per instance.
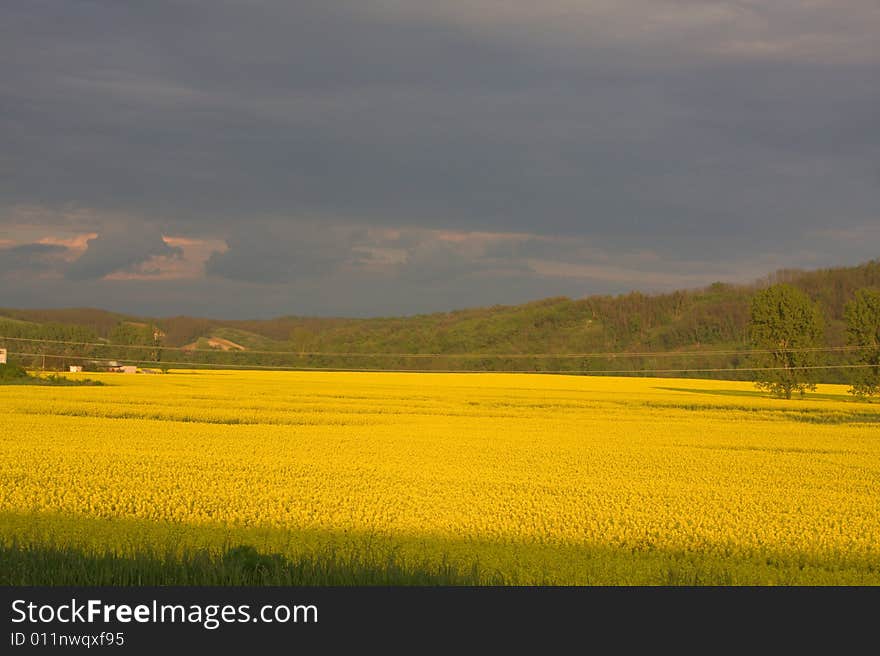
(75, 368)
(2, 356)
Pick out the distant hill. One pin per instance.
(714, 318)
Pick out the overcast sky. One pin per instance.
(375, 157)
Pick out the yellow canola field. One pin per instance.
(554, 479)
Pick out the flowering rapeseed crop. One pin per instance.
(557, 479)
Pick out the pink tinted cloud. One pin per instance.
(188, 265)
(75, 245)
(482, 237)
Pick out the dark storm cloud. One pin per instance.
(269, 254)
(119, 250)
(30, 259)
(430, 262)
(701, 130)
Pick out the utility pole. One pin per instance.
(157, 344)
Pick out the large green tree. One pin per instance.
(785, 324)
(863, 331)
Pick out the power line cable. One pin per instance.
(607, 354)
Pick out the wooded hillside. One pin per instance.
(713, 318)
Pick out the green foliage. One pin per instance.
(863, 330)
(784, 321)
(62, 381)
(56, 331)
(94, 322)
(131, 333)
(11, 373)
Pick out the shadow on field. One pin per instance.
(861, 413)
(756, 394)
(241, 565)
(53, 549)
